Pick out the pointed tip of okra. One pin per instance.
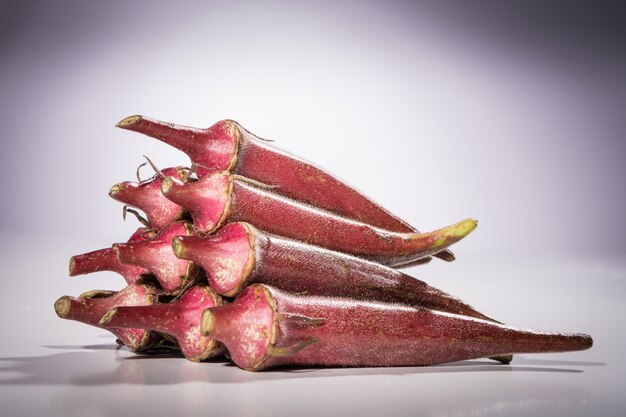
(127, 122)
(445, 255)
(455, 232)
(462, 228)
(62, 306)
(207, 322)
(503, 359)
(586, 341)
(107, 317)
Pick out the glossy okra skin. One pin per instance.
(179, 319)
(89, 307)
(156, 255)
(265, 327)
(220, 198)
(147, 197)
(106, 260)
(240, 254)
(227, 146)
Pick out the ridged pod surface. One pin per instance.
(220, 198)
(239, 254)
(265, 327)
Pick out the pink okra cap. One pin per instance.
(147, 197)
(179, 318)
(89, 307)
(156, 255)
(106, 260)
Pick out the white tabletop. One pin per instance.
(54, 367)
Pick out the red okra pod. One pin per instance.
(89, 307)
(147, 196)
(239, 254)
(106, 260)
(219, 198)
(156, 256)
(179, 319)
(265, 327)
(227, 146)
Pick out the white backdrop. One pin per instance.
(434, 112)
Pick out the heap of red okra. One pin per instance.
(259, 256)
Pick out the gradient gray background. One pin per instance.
(509, 112)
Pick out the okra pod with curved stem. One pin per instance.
(239, 254)
(179, 319)
(219, 198)
(265, 327)
(156, 255)
(227, 146)
(89, 307)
